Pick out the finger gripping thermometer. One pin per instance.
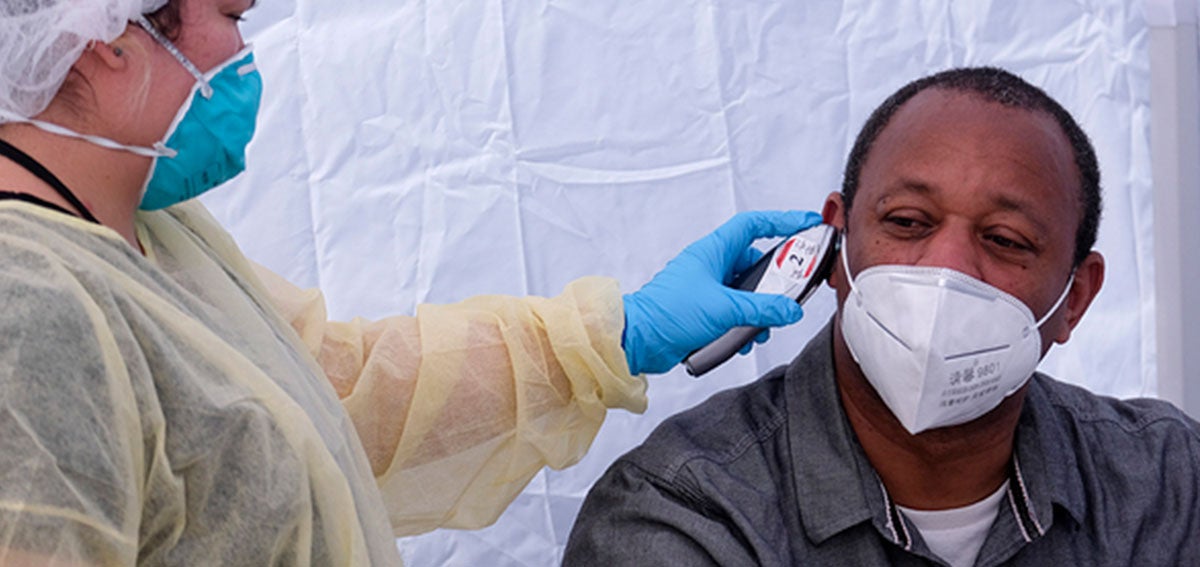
(795, 268)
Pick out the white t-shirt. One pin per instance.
(957, 534)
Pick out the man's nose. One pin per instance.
(955, 248)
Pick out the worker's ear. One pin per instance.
(111, 55)
(834, 215)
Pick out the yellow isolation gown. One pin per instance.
(185, 407)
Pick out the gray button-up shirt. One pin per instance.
(772, 474)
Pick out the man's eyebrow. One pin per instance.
(1021, 207)
(906, 185)
(1010, 204)
(900, 187)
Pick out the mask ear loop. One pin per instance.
(158, 150)
(845, 261)
(1061, 299)
(205, 90)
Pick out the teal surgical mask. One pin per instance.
(206, 143)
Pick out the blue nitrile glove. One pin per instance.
(687, 305)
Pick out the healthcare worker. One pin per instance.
(165, 401)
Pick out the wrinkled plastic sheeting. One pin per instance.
(428, 151)
(1167, 13)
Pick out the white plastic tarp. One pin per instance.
(1170, 12)
(427, 151)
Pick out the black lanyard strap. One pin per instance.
(32, 166)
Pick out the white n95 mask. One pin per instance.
(940, 347)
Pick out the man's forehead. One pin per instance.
(937, 121)
(945, 144)
(936, 104)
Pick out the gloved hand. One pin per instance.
(687, 305)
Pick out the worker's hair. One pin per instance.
(166, 19)
(999, 86)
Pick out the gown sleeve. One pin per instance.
(459, 406)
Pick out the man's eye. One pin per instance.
(903, 222)
(1007, 243)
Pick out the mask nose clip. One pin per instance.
(206, 90)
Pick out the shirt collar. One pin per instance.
(1047, 457)
(836, 486)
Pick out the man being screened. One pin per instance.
(913, 429)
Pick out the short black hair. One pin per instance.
(1002, 87)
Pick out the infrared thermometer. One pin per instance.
(795, 267)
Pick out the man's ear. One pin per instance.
(834, 215)
(1089, 276)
